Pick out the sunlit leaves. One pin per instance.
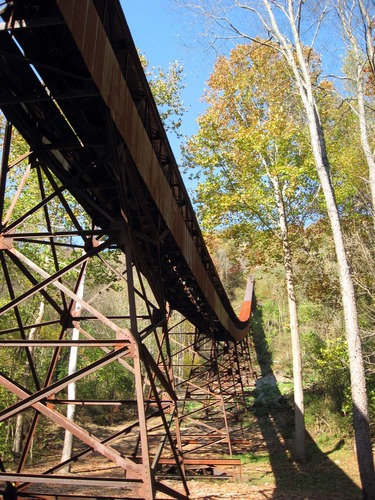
(166, 87)
(249, 133)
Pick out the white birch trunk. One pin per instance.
(356, 366)
(346, 16)
(296, 60)
(299, 409)
(18, 433)
(368, 28)
(365, 143)
(72, 367)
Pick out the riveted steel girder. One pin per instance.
(100, 252)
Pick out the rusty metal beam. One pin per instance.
(115, 93)
(4, 167)
(30, 400)
(99, 155)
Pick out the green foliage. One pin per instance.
(270, 393)
(261, 345)
(325, 358)
(327, 363)
(166, 87)
(230, 264)
(322, 416)
(109, 382)
(193, 406)
(371, 397)
(250, 135)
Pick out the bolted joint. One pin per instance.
(66, 319)
(6, 242)
(123, 335)
(91, 243)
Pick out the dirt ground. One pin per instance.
(268, 472)
(330, 473)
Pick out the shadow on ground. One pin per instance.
(320, 478)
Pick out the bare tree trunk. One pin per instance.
(299, 410)
(18, 433)
(357, 372)
(294, 56)
(72, 367)
(346, 15)
(368, 28)
(365, 141)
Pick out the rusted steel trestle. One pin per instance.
(103, 260)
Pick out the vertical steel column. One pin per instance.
(4, 167)
(148, 481)
(103, 179)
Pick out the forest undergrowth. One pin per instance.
(268, 470)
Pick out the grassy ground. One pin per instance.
(268, 468)
(330, 475)
(331, 468)
(330, 472)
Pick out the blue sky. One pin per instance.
(165, 34)
(162, 35)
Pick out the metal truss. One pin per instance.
(103, 261)
(44, 259)
(211, 378)
(181, 386)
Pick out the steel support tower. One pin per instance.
(103, 259)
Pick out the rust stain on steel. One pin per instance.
(77, 431)
(71, 480)
(52, 389)
(247, 301)
(54, 280)
(90, 37)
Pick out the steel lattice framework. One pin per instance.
(97, 203)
